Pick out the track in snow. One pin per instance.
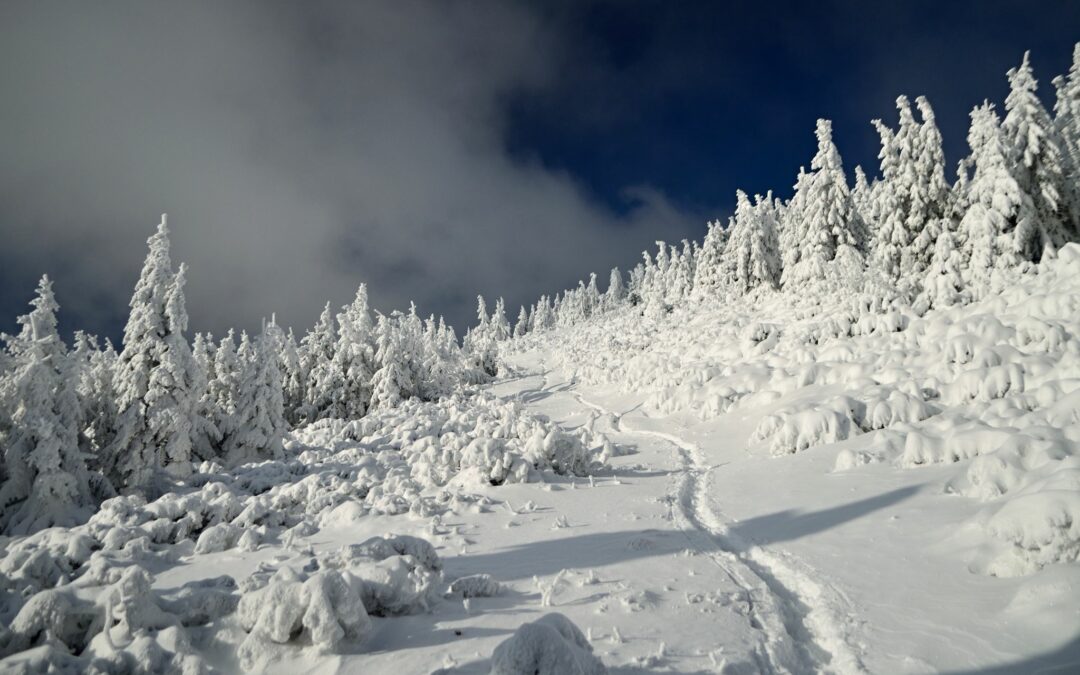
(807, 625)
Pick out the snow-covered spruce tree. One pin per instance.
(944, 285)
(206, 437)
(932, 199)
(155, 379)
(996, 208)
(616, 291)
(1067, 124)
(862, 198)
(822, 223)
(910, 199)
(354, 358)
(480, 343)
(317, 361)
(293, 379)
(259, 418)
(707, 272)
(223, 390)
(521, 326)
(500, 326)
(97, 399)
(751, 258)
(1037, 164)
(791, 225)
(681, 273)
(47, 480)
(392, 383)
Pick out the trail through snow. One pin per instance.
(799, 623)
(806, 625)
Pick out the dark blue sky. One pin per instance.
(698, 98)
(437, 150)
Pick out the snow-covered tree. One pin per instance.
(155, 379)
(996, 208)
(223, 390)
(317, 361)
(707, 272)
(1037, 164)
(206, 437)
(392, 382)
(259, 417)
(354, 358)
(910, 199)
(97, 399)
(293, 378)
(1067, 125)
(751, 258)
(616, 290)
(822, 225)
(500, 327)
(521, 326)
(47, 480)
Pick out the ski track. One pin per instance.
(807, 624)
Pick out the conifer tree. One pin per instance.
(1067, 125)
(224, 389)
(750, 258)
(97, 398)
(996, 208)
(1036, 163)
(154, 378)
(354, 357)
(206, 437)
(260, 414)
(47, 480)
(616, 290)
(500, 327)
(822, 223)
(293, 378)
(317, 360)
(391, 383)
(521, 326)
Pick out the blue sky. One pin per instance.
(437, 150)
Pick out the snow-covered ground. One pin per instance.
(756, 485)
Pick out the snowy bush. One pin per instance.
(551, 644)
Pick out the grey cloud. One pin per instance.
(299, 149)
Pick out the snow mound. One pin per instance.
(551, 645)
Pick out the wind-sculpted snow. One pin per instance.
(551, 644)
(81, 598)
(993, 386)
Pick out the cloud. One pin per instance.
(300, 149)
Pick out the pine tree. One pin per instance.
(1036, 163)
(391, 382)
(752, 254)
(47, 480)
(154, 378)
(260, 413)
(293, 379)
(500, 327)
(822, 223)
(317, 360)
(206, 437)
(616, 290)
(521, 326)
(354, 358)
(223, 391)
(707, 272)
(1067, 125)
(996, 208)
(97, 399)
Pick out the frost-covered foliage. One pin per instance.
(551, 644)
(47, 482)
(993, 385)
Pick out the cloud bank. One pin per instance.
(299, 149)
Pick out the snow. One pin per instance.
(842, 435)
